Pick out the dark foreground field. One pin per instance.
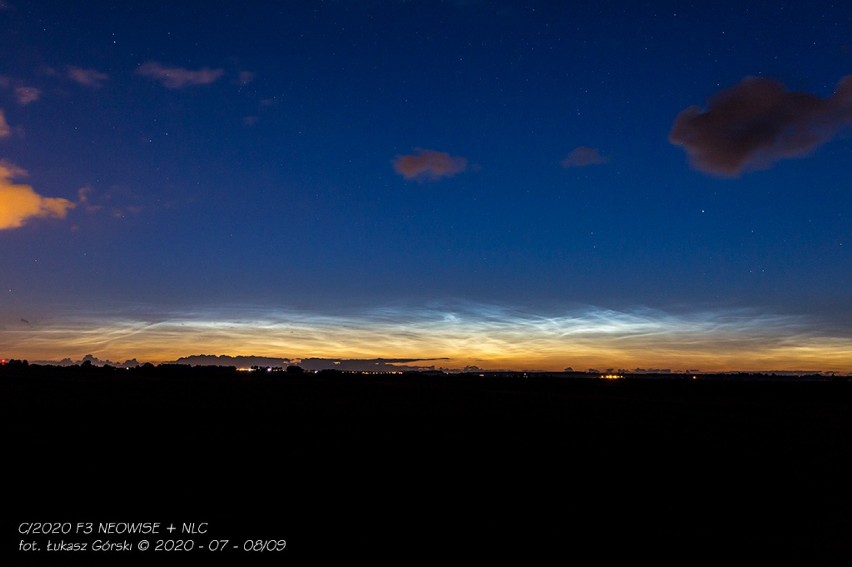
(386, 469)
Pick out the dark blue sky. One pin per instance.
(433, 175)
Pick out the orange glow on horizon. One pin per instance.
(488, 337)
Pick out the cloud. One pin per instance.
(178, 77)
(86, 77)
(583, 156)
(5, 131)
(106, 202)
(26, 95)
(245, 77)
(94, 361)
(758, 122)
(83, 199)
(367, 365)
(429, 165)
(21, 203)
(241, 361)
(23, 94)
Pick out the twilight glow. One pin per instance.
(486, 336)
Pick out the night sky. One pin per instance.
(506, 184)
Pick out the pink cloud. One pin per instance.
(87, 77)
(26, 95)
(429, 165)
(758, 122)
(23, 94)
(245, 77)
(584, 156)
(5, 131)
(178, 77)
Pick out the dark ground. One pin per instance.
(385, 469)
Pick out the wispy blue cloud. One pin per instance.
(490, 336)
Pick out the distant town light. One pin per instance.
(3, 362)
(612, 376)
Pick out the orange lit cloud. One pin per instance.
(429, 165)
(178, 77)
(21, 203)
(758, 122)
(87, 77)
(584, 156)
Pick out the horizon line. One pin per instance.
(397, 365)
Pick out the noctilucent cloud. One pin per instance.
(506, 184)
